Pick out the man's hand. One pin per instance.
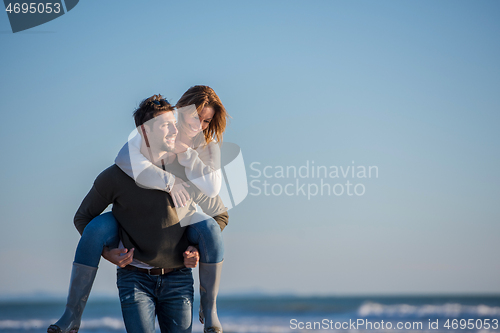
(119, 257)
(191, 257)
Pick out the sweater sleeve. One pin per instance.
(93, 205)
(138, 167)
(202, 167)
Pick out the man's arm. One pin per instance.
(93, 204)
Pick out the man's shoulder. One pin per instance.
(111, 174)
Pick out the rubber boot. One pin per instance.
(209, 288)
(82, 278)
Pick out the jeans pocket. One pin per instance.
(185, 271)
(121, 275)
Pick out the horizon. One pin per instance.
(101, 297)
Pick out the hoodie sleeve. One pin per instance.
(137, 166)
(203, 168)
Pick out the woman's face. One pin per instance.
(198, 122)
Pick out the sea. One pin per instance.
(284, 314)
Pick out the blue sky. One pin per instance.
(409, 87)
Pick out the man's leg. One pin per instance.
(175, 301)
(137, 300)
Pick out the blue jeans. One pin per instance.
(102, 231)
(168, 296)
(208, 236)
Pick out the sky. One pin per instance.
(408, 88)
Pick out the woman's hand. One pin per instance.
(179, 194)
(180, 147)
(191, 257)
(119, 257)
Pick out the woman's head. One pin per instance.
(210, 115)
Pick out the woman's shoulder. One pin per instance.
(213, 144)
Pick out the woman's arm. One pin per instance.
(202, 168)
(135, 165)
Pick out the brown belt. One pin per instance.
(152, 271)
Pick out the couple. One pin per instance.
(157, 180)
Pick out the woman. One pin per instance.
(198, 152)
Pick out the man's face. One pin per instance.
(162, 131)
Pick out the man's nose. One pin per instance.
(173, 129)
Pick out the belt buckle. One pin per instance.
(162, 271)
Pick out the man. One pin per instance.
(152, 278)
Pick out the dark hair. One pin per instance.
(150, 108)
(203, 96)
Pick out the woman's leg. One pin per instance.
(100, 232)
(207, 235)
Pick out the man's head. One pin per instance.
(155, 121)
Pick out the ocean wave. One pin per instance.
(443, 310)
(248, 328)
(106, 323)
(22, 325)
